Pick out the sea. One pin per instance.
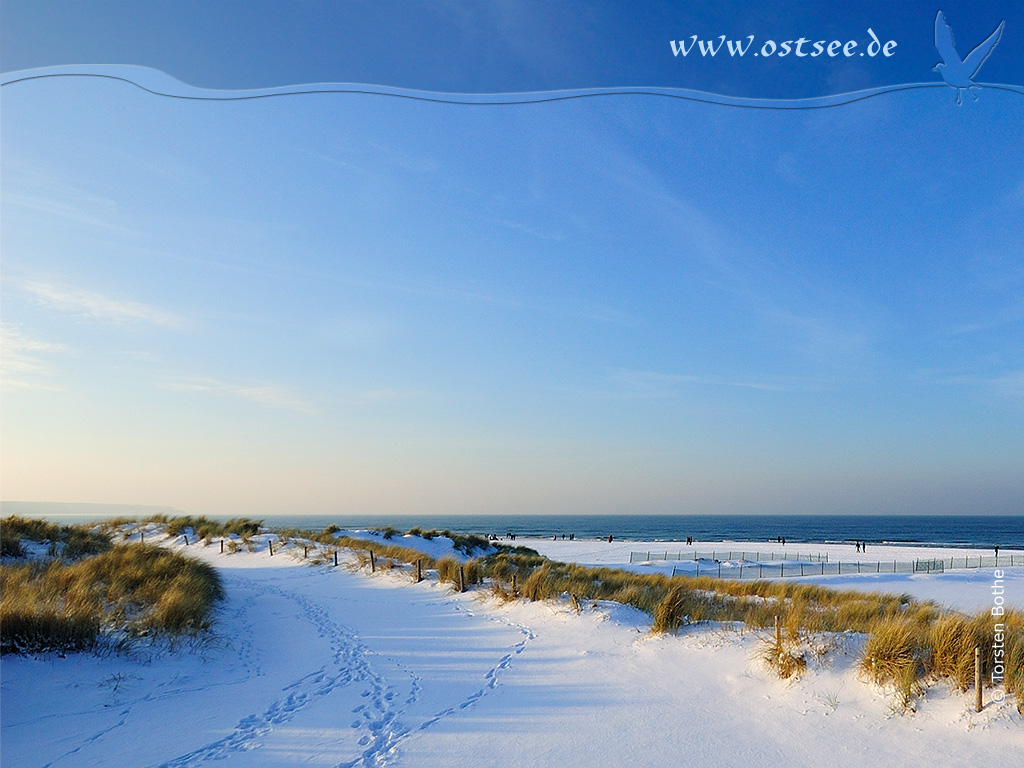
(911, 530)
(965, 531)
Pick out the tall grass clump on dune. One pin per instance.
(952, 640)
(447, 570)
(907, 651)
(134, 590)
(38, 612)
(204, 527)
(67, 541)
(673, 610)
(783, 653)
(896, 654)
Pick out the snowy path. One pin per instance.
(321, 666)
(292, 681)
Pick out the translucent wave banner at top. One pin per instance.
(161, 84)
(749, 53)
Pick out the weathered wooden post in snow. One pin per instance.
(462, 579)
(977, 679)
(419, 571)
(373, 562)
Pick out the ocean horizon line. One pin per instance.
(962, 531)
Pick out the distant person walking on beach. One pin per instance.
(609, 538)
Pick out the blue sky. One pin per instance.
(345, 303)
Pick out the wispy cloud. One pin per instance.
(532, 231)
(271, 395)
(21, 358)
(821, 338)
(49, 194)
(1004, 383)
(998, 319)
(1010, 383)
(385, 395)
(96, 306)
(652, 384)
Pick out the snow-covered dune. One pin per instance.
(315, 665)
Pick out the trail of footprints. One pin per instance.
(492, 681)
(378, 717)
(168, 688)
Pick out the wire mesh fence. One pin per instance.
(727, 565)
(644, 557)
(783, 568)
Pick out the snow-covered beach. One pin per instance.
(317, 665)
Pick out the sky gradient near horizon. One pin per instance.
(341, 303)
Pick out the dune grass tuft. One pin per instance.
(137, 590)
(896, 654)
(783, 654)
(70, 542)
(448, 570)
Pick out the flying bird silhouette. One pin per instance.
(957, 72)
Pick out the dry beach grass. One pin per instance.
(68, 603)
(142, 589)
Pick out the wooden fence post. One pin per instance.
(462, 579)
(270, 544)
(222, 546)
(778, 632)
(373, 562)
(515, 586)
(142, 537)
(185, 537)
(305, 551)
(419, 571)
(335, 557)
(977, 679)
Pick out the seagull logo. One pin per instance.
(957, 72)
